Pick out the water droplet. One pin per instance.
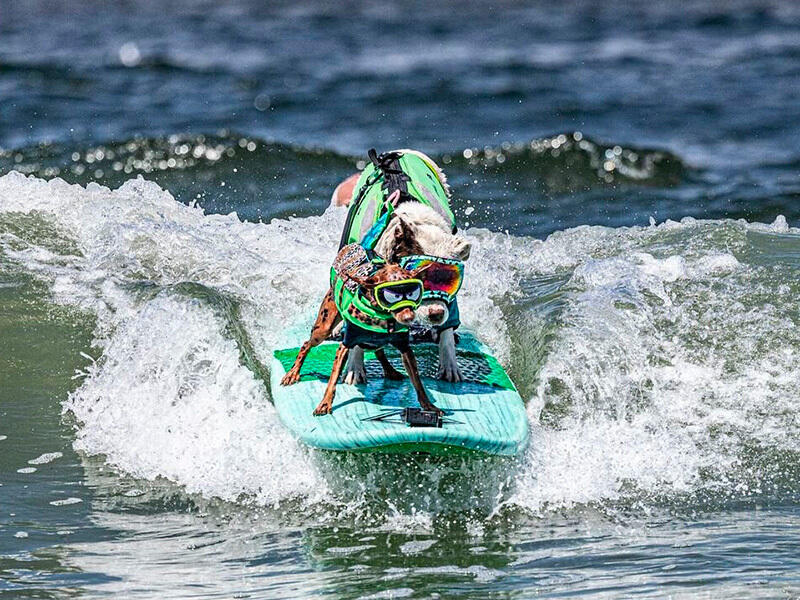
(66, 501)
(262, 102)
(45, 458)
(129, 54)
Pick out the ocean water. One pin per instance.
(629, 174)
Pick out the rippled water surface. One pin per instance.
(629, 174)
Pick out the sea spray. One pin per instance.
(664, 366)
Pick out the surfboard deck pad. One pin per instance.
(483, 413)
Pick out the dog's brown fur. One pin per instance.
(328, 317)
(405, 243)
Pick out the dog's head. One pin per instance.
(389, 272)
(418, 229)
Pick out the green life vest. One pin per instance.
(412, 173)
(351, 303)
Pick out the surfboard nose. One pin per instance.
(344, 191)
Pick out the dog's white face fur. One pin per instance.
(431, 313)
(432, 232)
(430, 229)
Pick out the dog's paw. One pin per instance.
(432, 408)
(354, 370)
(393, 374)
(291, 377)
(355, 375)
(324, 408)
(449, 371)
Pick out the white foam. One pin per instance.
(170, 398)
(45, 458)
(388, 594)
(416, 546)
(717, 264)
(671, 352)
(66, 501)
(659, 374)
(346, 550)
(478, 573)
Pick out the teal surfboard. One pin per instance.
(483, 414)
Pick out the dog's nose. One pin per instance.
(405, 316)
(436, 314)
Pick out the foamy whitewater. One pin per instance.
(656, 361)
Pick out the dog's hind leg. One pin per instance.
(410, 363)
(325, 405)
(327, 318)
(389, 372)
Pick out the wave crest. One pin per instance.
(658, 362)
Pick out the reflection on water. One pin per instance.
(196, 548)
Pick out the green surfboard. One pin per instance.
(484, 414)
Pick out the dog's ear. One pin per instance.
(463, 249)
(401, 234)
(400, 228)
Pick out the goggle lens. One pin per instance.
(394, 295)
(441, 277)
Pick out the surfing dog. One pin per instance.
(382, 299)
(415, 228)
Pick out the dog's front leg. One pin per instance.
(448, 365)
(410, 363)
(325, 405)
(327, 318)
(354, 371)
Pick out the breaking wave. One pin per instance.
(657, 362)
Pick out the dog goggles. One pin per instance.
(391, 296)
(442, 277)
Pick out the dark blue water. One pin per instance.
(715, 87)
(657, 353)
